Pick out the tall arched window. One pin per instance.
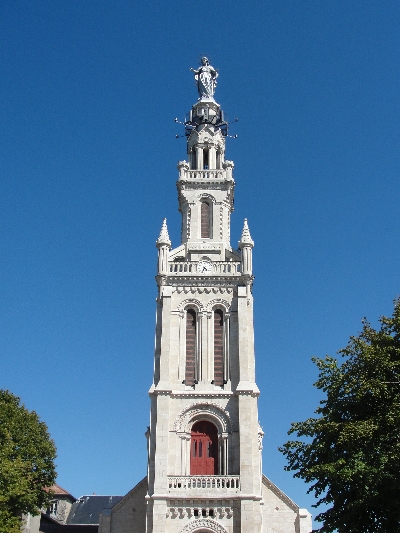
(190, 370)
(218, 347)
(204, 449)
(205, 220)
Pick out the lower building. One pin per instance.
(66, 514)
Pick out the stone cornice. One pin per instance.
(201, 394)
(247, 388)
(209, 281)
(169, 497)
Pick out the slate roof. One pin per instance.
(49, 525)
(86, 510)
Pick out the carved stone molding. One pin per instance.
(210, 185)
(182, 510)
(260, 436)
(187, 289)
(189, 217)
(205, 196)
(189, 302)
(218, 302)
(204, 524)
(204, 394)
(207, 410)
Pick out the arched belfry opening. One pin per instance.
(218, 347)
(204, 449)
(191, 329)
(205, 219)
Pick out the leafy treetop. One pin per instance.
(27, 456)
(350, 453)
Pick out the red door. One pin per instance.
(204, 449)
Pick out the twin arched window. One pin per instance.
(191, 370)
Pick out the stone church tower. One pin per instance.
(204, 440)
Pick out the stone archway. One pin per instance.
(204, 412)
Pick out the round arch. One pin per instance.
(191, 303)
(218, 303)
(203, 525)
(204, 197)
(208, 412)
(203, 411)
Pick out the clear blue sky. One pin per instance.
(89, 93)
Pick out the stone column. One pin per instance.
(199, 158)
(212, 157)
(198, 374)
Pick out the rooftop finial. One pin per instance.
(164, 237)
(206, 79)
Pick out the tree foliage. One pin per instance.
(350, 453)
(27, 456)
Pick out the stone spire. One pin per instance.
(245, 239)
(163, 238)
(246, 244)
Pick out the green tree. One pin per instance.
(350, 453)
(27, 456)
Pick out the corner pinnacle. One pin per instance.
(163, 238)
(245, 239)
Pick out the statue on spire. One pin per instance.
(206, 79)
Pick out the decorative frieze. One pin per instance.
(204, 523)
(200, 513)
(205, 290)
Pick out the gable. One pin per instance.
(130, 513)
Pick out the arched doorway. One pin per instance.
(204, 449)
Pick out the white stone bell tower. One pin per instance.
(205, 439)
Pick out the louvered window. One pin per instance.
(190, 347)
(218, 347)
(205, 220)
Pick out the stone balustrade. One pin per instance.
(208, 174)
(187, 268)
(206, 484)
(205, 174)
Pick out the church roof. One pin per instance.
(49, 525)
(87, 509)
